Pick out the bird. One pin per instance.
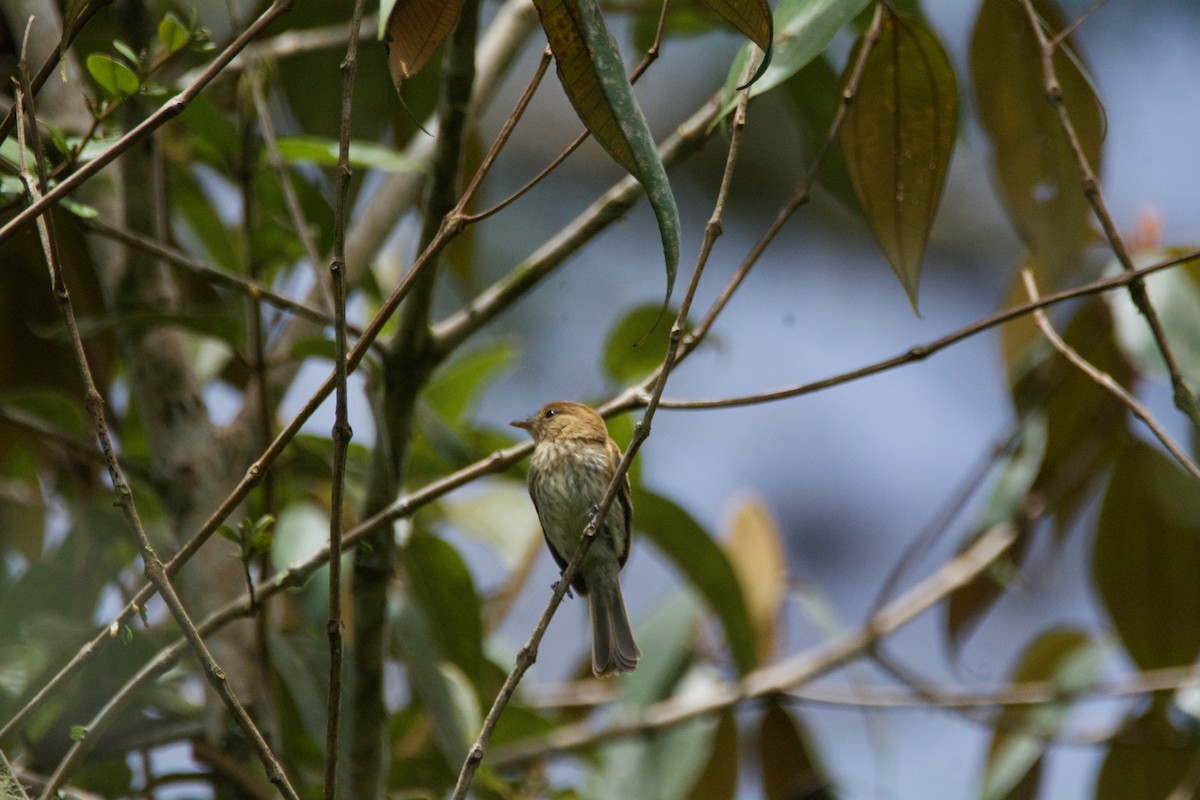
(573, 462)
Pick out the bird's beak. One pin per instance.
(522, 423)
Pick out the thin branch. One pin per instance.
(73, 445)
(649, 58)
(283, 177)
(169, 110)
(528, 653)
(1062, 35)
(924, 351)
(194, 266)
(1185, 400)
(794, 671)
(342, 432)
(94, 403)
(1105, 381)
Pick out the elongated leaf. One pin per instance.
(718, 781)
(755, 548)
(441, 585)
(789, 768)
(897, 139)
(1133, 769)
(590, 69)
(803, 29)
(1146, 559)
(1069, 660)
(1038, 176)
(753, 18)
(708, 570)
(413, 30)
(319, 150)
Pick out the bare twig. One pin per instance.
(1185, 400)
(94, 403)
(1105, 381)
(342, 432)
(923, 351)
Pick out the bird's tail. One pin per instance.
(613, 649)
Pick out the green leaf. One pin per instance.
(1039, 180)
(78, 732)
(412, 31)
(789, 766)
(456, 386)
(1175, 296)
(590, 69)
(173, 33)
(1146, 559)
(704, 564)
(113, 76)
(630, 352)
(803, 29)
(718, 781)
(1069, 661)
(498, 515)
(322, 151)
(812, 96)
(1132, 769)
(130, 55)
(441, 585)
(897, 139)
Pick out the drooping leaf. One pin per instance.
(753, 18)
(113, 75)
(897, 139)
(413, 30)
(1147, 558)
(718, 781)
(789, 767)
(590, 69)
(1068, 660)
(1149, 758)
(441, 585)
(695, 553)
(756, 551)
(803, 29)
(1038, 176)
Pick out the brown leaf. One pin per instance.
(415, 30)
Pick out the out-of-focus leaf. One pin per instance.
(441, 585)
(1147, 558)
(813, 95)
(897, 139)
(445, 693)
(501, 516)
(301, 660)
(325, 152)
(1039, 180)
(22, 516)
(590, 69)
(198, 213)
(1068, 660)
(456, 386)
(1175, 295)
(790, 768)
(707, 569)
(630, 352)
(665, 637)
(412, 31)
(113, 76)
(803, 28)
(967, 606)
(130, 55)
(755, 549)
(718, 781)
(1149, 758)
(681, 21)
(1085, 423)
(173, 33)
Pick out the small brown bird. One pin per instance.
(573, 462)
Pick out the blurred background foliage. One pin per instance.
(767, 528)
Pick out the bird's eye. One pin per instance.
(550, 412)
